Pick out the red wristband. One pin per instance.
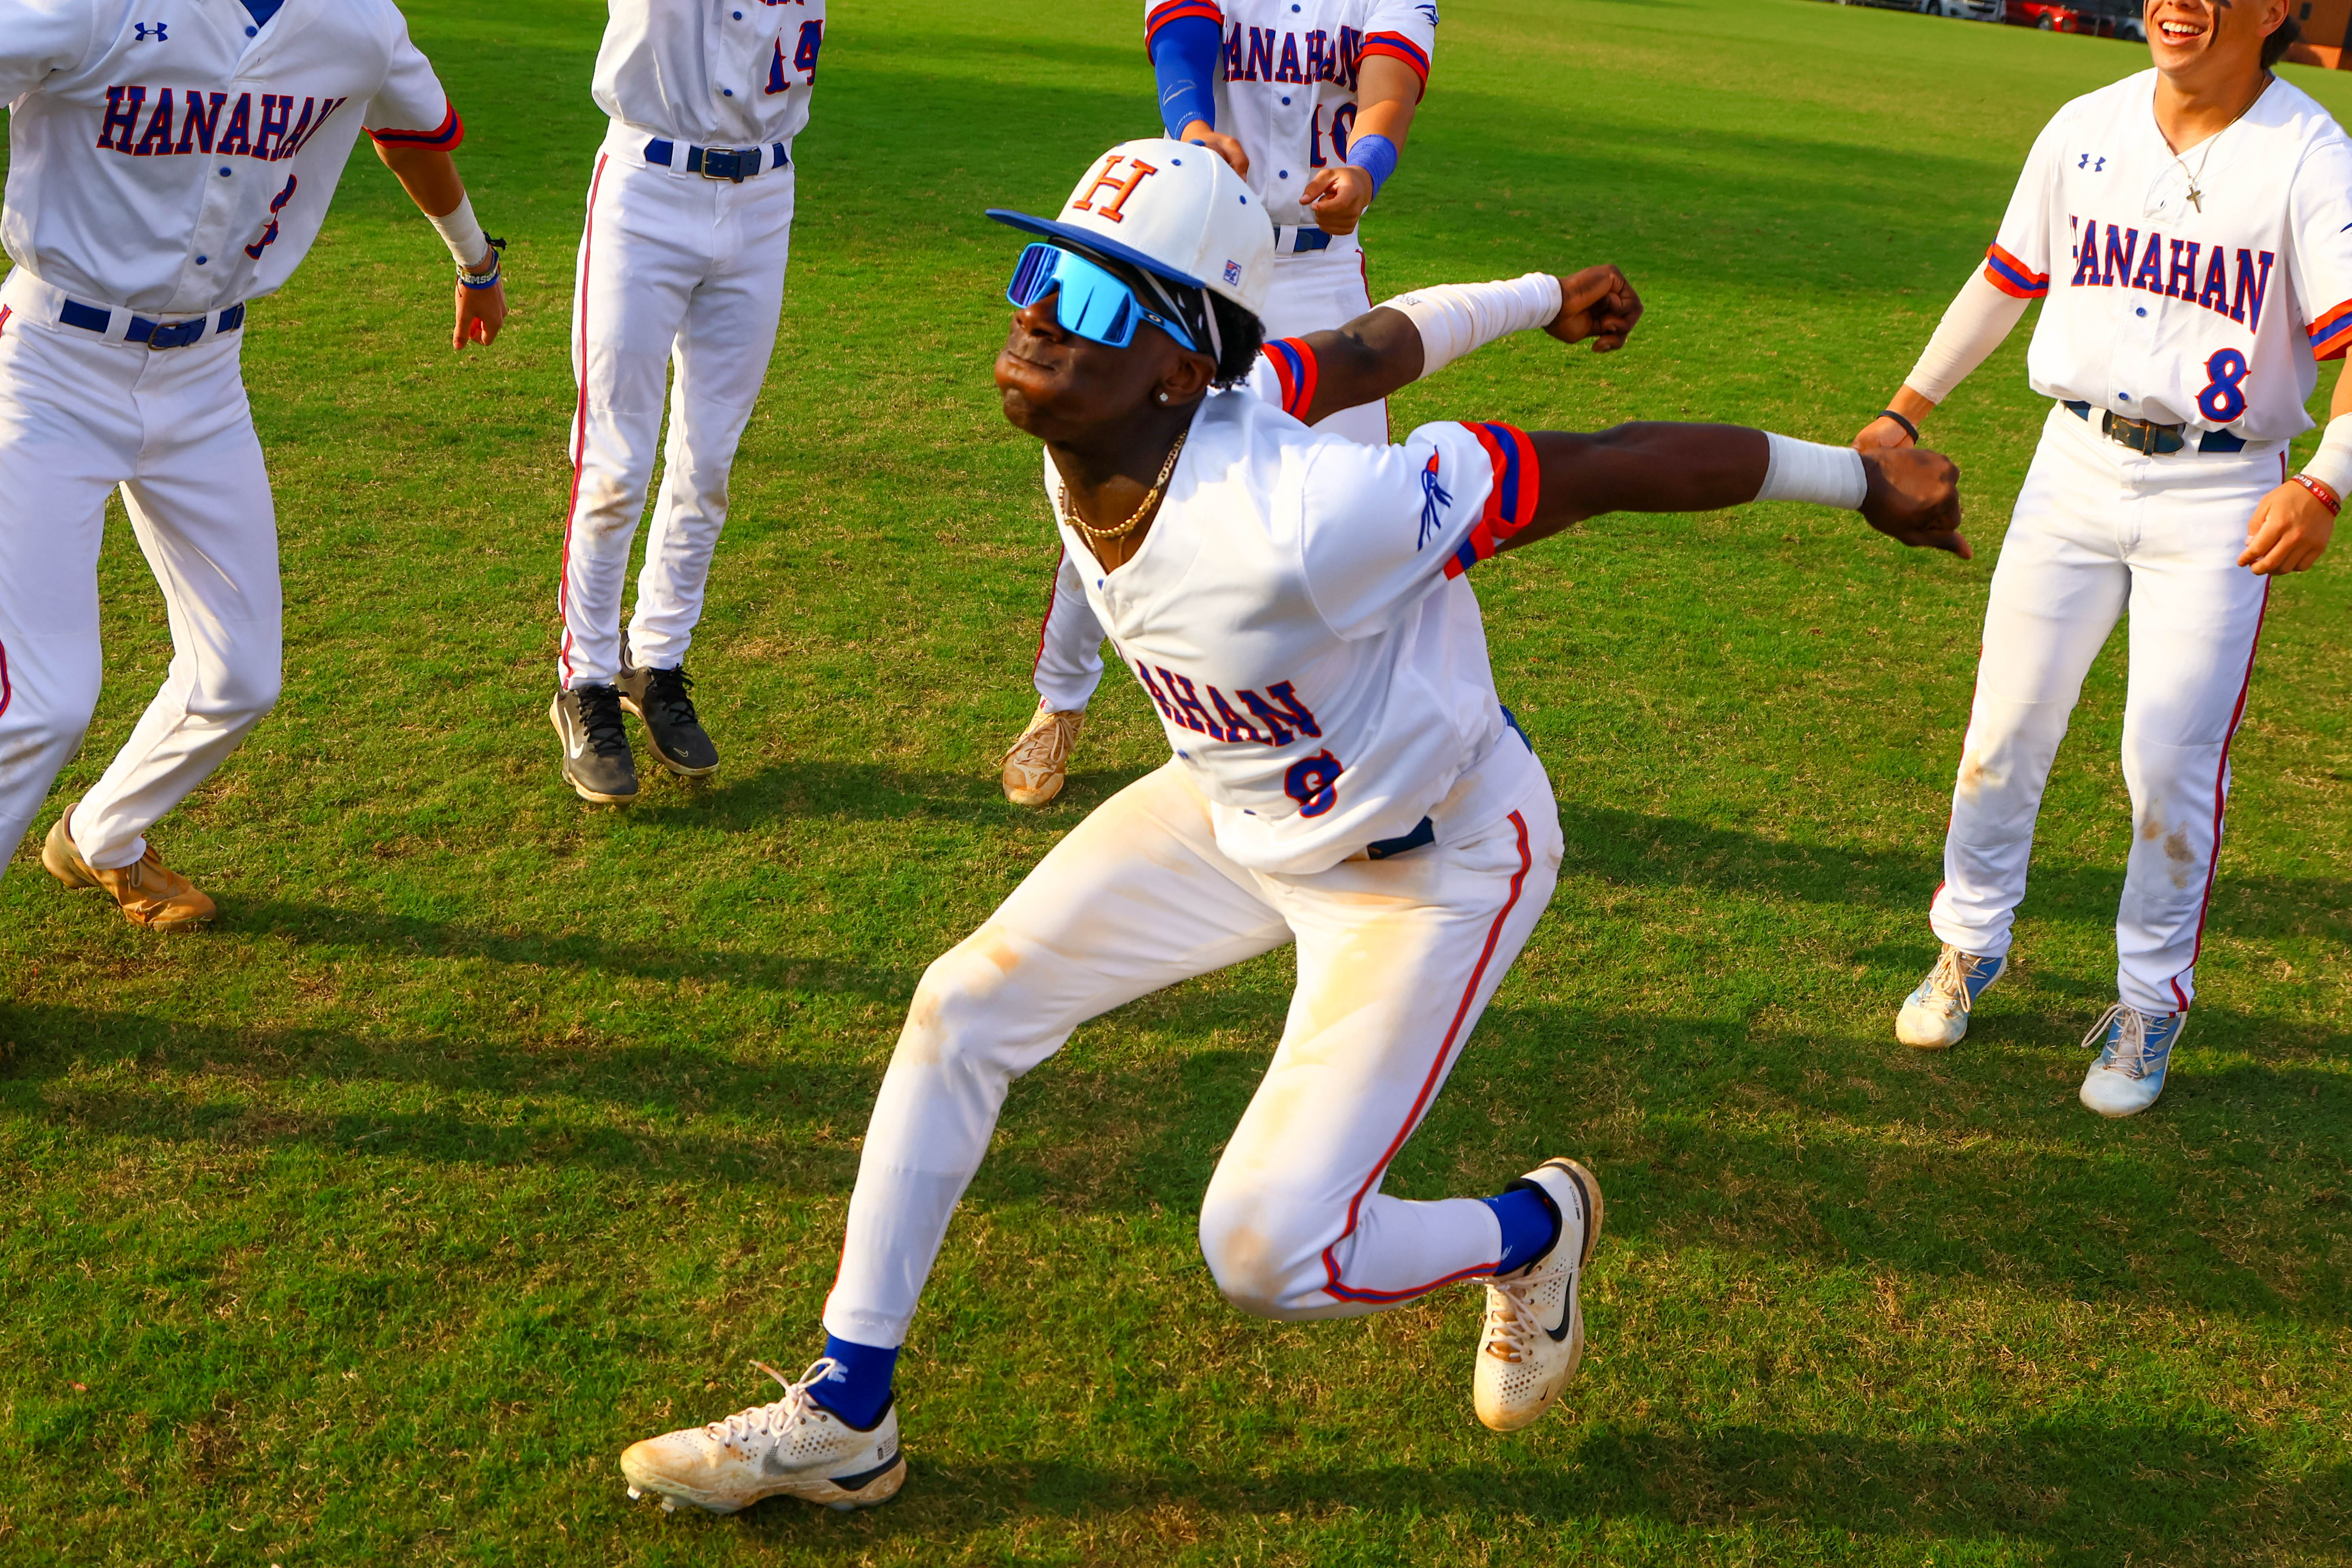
(2328, 497)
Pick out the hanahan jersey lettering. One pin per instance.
(2233, 282)
(1275, 719)
(141, 121)
(1269, 53)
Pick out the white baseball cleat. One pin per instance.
(1534, 1336)
(1039, 763)
(2134, 1050)
(1935, 1016)
(794, 1447)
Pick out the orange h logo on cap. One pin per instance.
(1108, 180)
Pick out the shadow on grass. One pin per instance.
(2086, 1493)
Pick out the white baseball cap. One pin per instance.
(1175, 209)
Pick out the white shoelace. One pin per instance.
(2130, 1053)
(1513, 1325)
(1950, 978)
(775, 1420)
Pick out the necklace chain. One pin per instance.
(2195, 196)
(1135, 519)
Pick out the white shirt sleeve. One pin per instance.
(412, 109)
(2018, 261)
(2319, 248)
(1403, 30)
(1382, 526)
(41, 36)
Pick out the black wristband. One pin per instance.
(1909, 428)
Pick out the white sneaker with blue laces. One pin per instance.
(2135, 1048)
(1935, 1016)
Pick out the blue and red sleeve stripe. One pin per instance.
(1396, 46)
(1295, 368)
(446, 135)
(1510, 504)
(1178, 11)
(2012, 277)
(2331, 334)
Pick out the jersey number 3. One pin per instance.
(2223, 399)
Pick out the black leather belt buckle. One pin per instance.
(731, 163)
(2142, 434)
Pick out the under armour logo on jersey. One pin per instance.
(2084, 162)
(1434, 502)
(142, 29)
(1108, 180)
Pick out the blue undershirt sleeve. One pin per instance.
(1186, 54)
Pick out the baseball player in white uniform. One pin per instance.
(2189, 231)
(681, 268)
(170, 162)
(1344, 778)
(1310, 101)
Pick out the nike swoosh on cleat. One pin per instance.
(864, 1479)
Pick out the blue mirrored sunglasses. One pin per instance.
(1092, 301)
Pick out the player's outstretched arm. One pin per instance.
(1397, 343)
(1909, 495)
(2291, 526)
(429, 175)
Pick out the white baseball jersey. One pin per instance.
(2208, 313)
(724, 73)
(1287, 92)
(176, 156)
(1296, 618)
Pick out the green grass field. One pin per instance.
(487, 1131)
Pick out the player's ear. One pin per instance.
(1187, 378)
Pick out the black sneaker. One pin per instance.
(596, 760)
(660, 698)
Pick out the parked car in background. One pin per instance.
(2059, 16)
(1966, 10)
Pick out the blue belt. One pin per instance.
(1426, 833)
(155, 334)
(2155, 440)
(735, 163)
(1289, 241)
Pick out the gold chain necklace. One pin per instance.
(1135, 519)
(2195, 196)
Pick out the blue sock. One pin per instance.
(860, 1391)
(1530, 1222)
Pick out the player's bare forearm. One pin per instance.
(1911, 496)
(428, 174)
(1387, 93)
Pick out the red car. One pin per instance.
(2051, 16)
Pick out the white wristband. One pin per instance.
(462, 234)
(1808, 471)
(2332, 464)
(1456, 318)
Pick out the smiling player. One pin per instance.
(2190, 232)
(1344, 778)
(168, 166)
(1310, 101)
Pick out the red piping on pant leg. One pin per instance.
(579, 424)
(1429, 1087)
(2220, 790)
(6, 691)
(1053, 591)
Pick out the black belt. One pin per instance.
(734, 163)
(2155, 440)
(155, 334)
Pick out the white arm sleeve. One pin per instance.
(1456, 318)
(1980, 315)
(2332, 464)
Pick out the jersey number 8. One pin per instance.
(2223, 399)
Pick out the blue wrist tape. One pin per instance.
(1185, 55)
(1376, 155)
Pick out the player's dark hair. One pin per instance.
(2275, 48)
(1242, 336)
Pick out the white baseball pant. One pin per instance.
(1315, 290)
(1397, 959)
(2099, 529)
(79, 414)
(675, 271)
